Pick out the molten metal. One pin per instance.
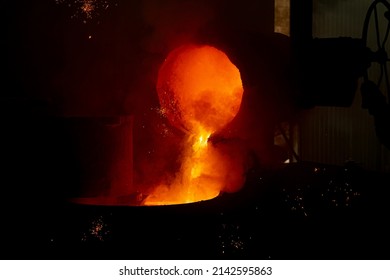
(200, 90)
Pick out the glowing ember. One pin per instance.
(200, 91)
(86, 9)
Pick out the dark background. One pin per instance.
(59, 66)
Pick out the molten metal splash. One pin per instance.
(200, 90)
(195, 181)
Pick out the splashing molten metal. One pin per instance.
(200, 90)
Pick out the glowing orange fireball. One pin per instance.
(199, 86)
(200, 91)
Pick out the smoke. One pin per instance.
(206, 170)
(174, 22)
(108, 67)
(164, 157)
(233, 161)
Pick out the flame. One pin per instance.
(200, 91)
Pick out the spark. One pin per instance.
(97, 230)
(162, 111)
(86, 9)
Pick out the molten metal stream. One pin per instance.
(200, 90)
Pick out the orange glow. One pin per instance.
(199, 87)
(200, 91)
